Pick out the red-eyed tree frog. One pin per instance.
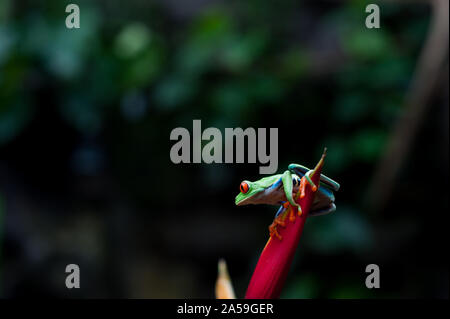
(279, 189)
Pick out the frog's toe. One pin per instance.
(278, 221)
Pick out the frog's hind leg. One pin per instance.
(301, 170)
(273, 227)
(281, 210)
(279, 220)
(323, 211)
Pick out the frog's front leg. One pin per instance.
(288, 189)
(303, 182)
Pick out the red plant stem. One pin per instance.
(274, 263)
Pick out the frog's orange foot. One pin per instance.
(303, 183)
(302, 187)
(273, 227)
(299, 211)
(292, 215)
(273, 232)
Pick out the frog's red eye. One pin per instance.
(244, 187)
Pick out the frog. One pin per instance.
(279, 189)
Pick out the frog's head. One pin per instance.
(249, 190)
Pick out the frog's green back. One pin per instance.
(268, 181)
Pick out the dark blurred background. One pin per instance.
(85, 118)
